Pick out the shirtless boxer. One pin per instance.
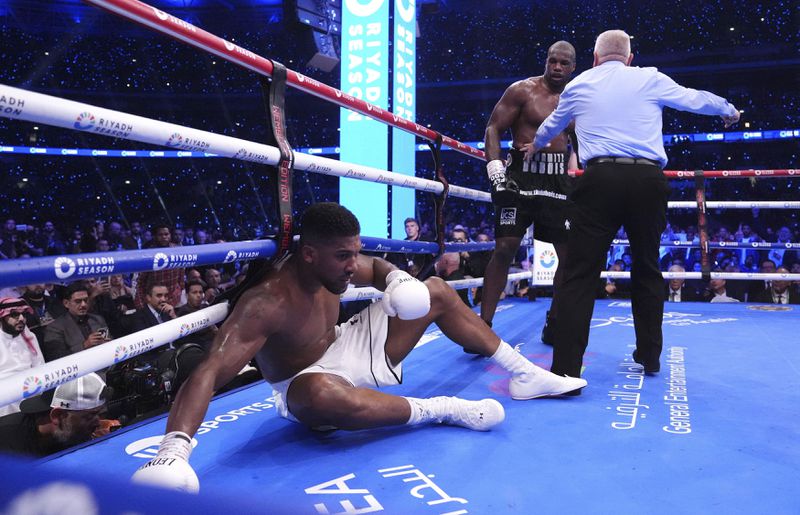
(528, 192)
(321, 373)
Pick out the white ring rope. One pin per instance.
(36, 107)
(53, 373)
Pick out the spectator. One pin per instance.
(77, 329)
(157, 310)
(172, 278)
(779, 291)
(783, 257)
(195, 296)
(134, 240)
(717, 291)
(757, 288)
(103, 245)
(678, 290)
(449, 268)
(101, 303)
(49, 241)
(177, 237)
(113, 237)
(19, 347)
(44, 310)
(120, 293)
(615, 288)
(188, 236)
(56, 419)
(414, 264)
(200, 237)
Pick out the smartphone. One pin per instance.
(103, 332)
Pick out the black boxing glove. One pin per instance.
(505, 192)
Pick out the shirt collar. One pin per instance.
(154, 312)
(611, 63)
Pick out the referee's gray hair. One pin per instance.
(614, 44)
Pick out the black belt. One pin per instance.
(622, 161)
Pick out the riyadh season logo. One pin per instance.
(184, 330)
(120, 353)
(147, 448)
(85, 121)
(230, 257)
(64, 267)
(547, 258)
(31, 386)
(160, 261)
(175, 140)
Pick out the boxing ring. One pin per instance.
(714, 431)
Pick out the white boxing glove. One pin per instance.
(170, 468)
(405, 297)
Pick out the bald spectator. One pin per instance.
(779, 291)
(678, 290)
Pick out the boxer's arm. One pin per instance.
(372, 271)
(240, 338)
(505, 112)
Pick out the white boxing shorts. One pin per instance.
(356, 355)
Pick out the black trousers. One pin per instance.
(607, 196)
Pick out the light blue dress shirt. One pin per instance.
(617, 111)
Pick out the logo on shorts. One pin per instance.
(566, 224)
(508, 216)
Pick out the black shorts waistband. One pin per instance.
(622, 161)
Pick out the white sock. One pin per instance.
(426, 410)
(513, 361)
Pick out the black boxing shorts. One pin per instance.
(544, 201)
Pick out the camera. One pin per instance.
(140, 388)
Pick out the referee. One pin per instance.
(617, 112)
